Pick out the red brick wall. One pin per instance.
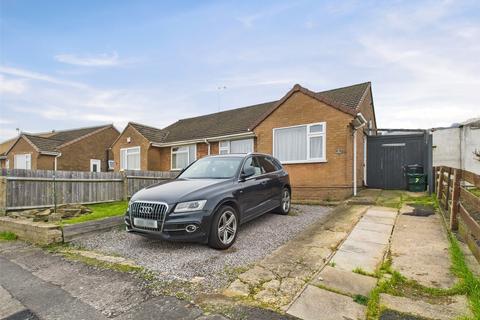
(22, 147)
(76, 156)
(328, 180)
(136, 140)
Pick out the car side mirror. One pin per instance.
(247, 172)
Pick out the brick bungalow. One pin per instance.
(311, 133)
(82, 149)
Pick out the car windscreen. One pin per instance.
(213, 168)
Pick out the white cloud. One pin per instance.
(25, 74)
(100, 60)
(14, 86)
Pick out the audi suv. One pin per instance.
(210, 199)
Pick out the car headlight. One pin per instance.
(190, 206)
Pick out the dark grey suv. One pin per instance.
(210, 199)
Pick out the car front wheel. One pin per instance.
(224, 228)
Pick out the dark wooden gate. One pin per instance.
(388, 156)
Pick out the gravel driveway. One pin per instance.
(184, 261)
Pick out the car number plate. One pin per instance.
(145, 223)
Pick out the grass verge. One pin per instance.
(100, 211)
(7, 236)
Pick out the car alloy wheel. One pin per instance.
(227, 227)
(286, 200)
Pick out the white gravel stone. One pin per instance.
(174, 260)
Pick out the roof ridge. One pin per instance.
(229, 110)
(75, 129)
(345, 87)
(35, 136)
(144, 125)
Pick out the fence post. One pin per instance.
(125, 186)
(440, 184)
(455, 197)
(3, 196)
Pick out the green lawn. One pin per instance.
(475, 191)
(7, 236)
(100, 211)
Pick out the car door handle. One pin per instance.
(264, 182)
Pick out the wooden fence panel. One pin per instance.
(137, 180)
(40, 188)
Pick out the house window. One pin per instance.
(224, 147)
(182, 156)
(22, 161)
(130, 158)
(95, 165)
(303, 143)
(236, 146)
(7, 164)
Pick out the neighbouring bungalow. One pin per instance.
(320, 137)
(82, 149)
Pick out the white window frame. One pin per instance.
(98, 162)
(228, 148)
(220, 148)
(309, 135)
(7, 164)
(26, 156)
(124, 161)
(183, 151)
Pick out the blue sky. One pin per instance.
(67, 64)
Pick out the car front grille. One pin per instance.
(149, 210)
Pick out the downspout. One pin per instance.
(208, 144)
(365, 160)
(55, 161)
(360, 123)
(354, 161)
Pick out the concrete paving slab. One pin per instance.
(456, 308)
(349, 261)
(368, 248)
(377, 219)
(429, 263)
(368, 235)
(8, 304)
(315, 303)
(374, 226)
(345, 281)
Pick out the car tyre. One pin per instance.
(224, 228)
(286, 202)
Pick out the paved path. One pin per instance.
(420, 252)
(429, 262)
(276, 279)
(329, 294)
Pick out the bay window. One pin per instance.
(182, 156)
(302, 143)
(130, 158)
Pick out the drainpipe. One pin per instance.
(354, 162)
(208, 144)
(55, 161)
(365, 160)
